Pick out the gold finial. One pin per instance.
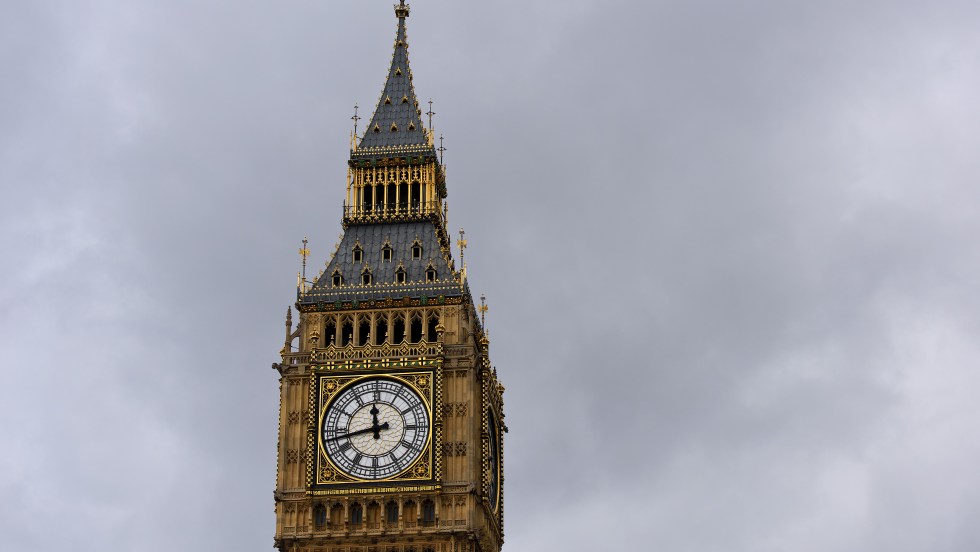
(441, 149)
(304, 252)
(483, 308)
(461, 242)
(462, 250)
(402, 9)
(430, 113)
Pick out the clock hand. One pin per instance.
(374, 429)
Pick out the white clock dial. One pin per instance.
(375, 429)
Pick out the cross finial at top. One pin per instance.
(402, 9)
(483, 308)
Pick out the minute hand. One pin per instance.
(373, 429)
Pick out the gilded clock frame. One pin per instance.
(424, 376)
(492, 395)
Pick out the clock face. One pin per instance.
(494, 461)
(375, 429)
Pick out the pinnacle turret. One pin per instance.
(396, 129)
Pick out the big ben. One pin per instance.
(391, 414)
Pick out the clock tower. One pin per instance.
(390, 413)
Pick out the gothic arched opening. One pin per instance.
(319, 517)
(356, 515)
(363, 333)
(347, 333)
(380, 330)
(428, 513)
(415, 334)
(430, 334)
(391, 513)
(398, 331)
(403, 197)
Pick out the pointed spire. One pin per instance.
(396, 128)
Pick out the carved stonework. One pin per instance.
(456, 448)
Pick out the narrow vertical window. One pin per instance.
(319, 517)
(363, 333)
(428, 513)
(399, 331)
(391, 513)
(356, 515)
(431, 335)
(415, 330)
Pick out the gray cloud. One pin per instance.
(728, 247)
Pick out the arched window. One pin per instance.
(319, 517)
(331, 334)
(400, 276)
(415, 331)
(403, 197)
(380, 330)
(430, 334)
(417, 250)
(347, 333)
(338, 278)
(391, 513)
(366, 278)
(428, 513)
(430, 274)
(356, 515)
(363, 333)
(357, 254)
(390, 198)
(399, 331)
(368, 197)
(416, 196)
(386, 253)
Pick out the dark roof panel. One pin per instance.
(395, 129)
(372, 239)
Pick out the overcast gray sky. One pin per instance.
(730, 251)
